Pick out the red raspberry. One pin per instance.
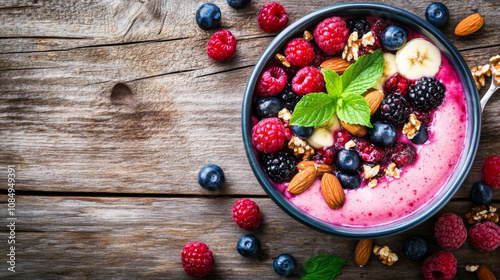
(299, 52)
(272, 17)
(369, 152)
(222, 45)
(485, 236)
(197, 259)
(268, 135)
(341, 138)
(397, 84)
(331, 35)
(450, 232)
(440, 266)
(308, 79)
(246, 214)
(377, 28)
(271, 82)
(424, 117)
(403, 154)
(288, 133)
(491, 171)
(325, 155)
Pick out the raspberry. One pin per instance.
(450, 232)
(424, 117)
(396, 84)
(268, 135)
(197, 259)
(377, 28)
(272, 17)
(272, 80)
(331, 35)
(403, 154)
(222, 45)
(289, 98)
(491, 171)
(426, 94)
(394, 109)
(485, 236)
(246, 214)
(440, 266)
(325, 155)
(308, 79)
(280, 167)
(299, 52)
(288, 133)
(359, 25)
(341, 138)
(369, 152)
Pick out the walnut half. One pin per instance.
(352, 47)
(384, 253)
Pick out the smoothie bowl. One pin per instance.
(361, 120)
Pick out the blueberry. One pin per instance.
(383, 134)
(416, 248)
(303, 132)
(393, 37)
(284, 265)
(208, 16)
(238, 4)
(248, 246)
(211, 177)
(481, 193)
(421, 135)
(268, 107)
(437, 14)
(349, 181)
(347, 161)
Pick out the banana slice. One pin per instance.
(333, 124)
(323, 135)
(389, 70)
(418, 58)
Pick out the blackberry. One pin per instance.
(289, 97)
(358, 24)
(394, 109)
(280, 167)
(426, 94)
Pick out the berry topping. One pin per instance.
(416, 248)
(369, 152)
(268, 107)
(349, 181)
(485, 236)
(248, 246)
(299, 52)
(403, 154)
(280, 167)
(481, 193)
(272, 17)
(238, 4)
(394, 109)
(211, 177)
(377, 28)
(491, 171)
(426, 94)
(341, 138)
(246, 214)
(450, 232)
(331, 35)
(197, 259)
(271, 82)
(325, 155)
(222, 45)
(440, 266)
(421, 135)
(397, 84)
(359, 25)
(437, 14)
(303, 132)
(424, 117)
(289, 97)
(284, 265)
(308, 79)
(319, 56)
(208, 16)
(383, 134)
(347, 161)
(393, 37)
(268, 135)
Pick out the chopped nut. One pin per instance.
(493, 209)
(371, 172)
(308, 36)
(282, 59)
(285, 115)
(352, 47)
(392, 171)
(385, 254)
(373, 183)
(350, 144)
(367, 39)
(495, 61)
(479, 73)
(482, 213)
(411, 128)
(300, 147)
(471, 267)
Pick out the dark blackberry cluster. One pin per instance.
(394, 109)
(358, 24)
(280, 166)
(426, 94)
(289, 97)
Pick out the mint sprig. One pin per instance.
(322, 267)
(344, 94)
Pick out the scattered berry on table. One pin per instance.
(331, 35)
(348, 181)
(272, 17)
(197, 259)
(238, 4)
(289, 97)
(347, 161)
(403, 154)
(325, 155)
(222, 45)
(383, 134)
(308, 79)
(211, 177)
(393, 37)
(416, 248)
(485, 236)
(369, 152)
(299, 52)
(284, 264)
(424, 117)
(358, 24)
(491, 171)
(394, 109)
(268, 107)
(341, 138)
(246, 214)
(271, 82)
(421, 136)
(481, 193)
(268, 135)
(208, 16)
(450, 231)
(396, 84)
(248, 246)
(437, 14)
(426, 94)
(440, 266)
(303, 132)
(280, 166)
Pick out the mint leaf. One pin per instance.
(354, 109)
(313, 109)
(363, 74)
(322, 267)
(333, 83)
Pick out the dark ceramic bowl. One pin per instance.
(471, 141)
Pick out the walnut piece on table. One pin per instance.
(495, 62)
(482, 213)
(386, 255)
(479, 74)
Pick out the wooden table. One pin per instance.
(106, 182)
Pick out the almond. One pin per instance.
(469, 25)
(302, 180)
(363, 252)
(337, 64)
(354, 129)
(483, 273)
(321, 168)
(332, 191)
(374, 99)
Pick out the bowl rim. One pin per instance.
(474, 112)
